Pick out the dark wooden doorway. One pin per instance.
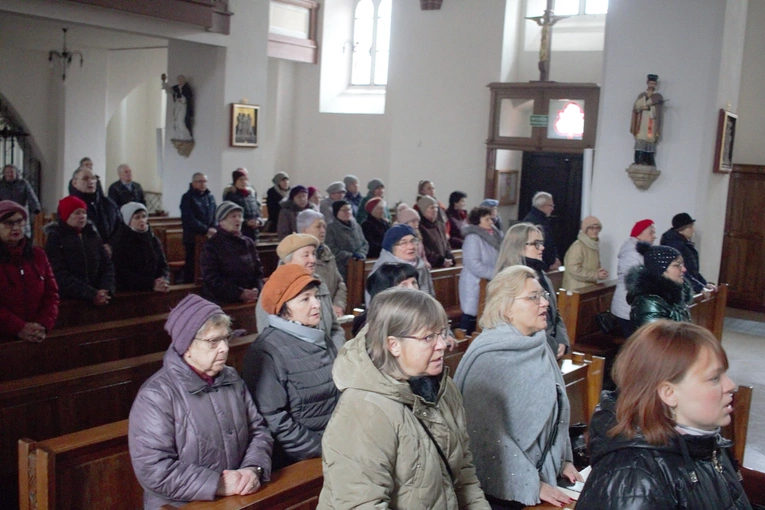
(743, 255)
(561, 176)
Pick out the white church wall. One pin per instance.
(750, 130)
(26, 83)
(685, 48)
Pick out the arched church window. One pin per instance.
(577, 7)
(371, 42)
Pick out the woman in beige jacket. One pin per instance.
(397, 438)
(582, 260)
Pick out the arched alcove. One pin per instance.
(18, 147)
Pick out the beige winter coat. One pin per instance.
(376, 453)
(582, 262)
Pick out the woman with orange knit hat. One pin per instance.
(288, 368)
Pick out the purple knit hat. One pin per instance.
(186, 319)
(297, 189)
(9, 207)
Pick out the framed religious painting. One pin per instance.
(244, 125)
(726, 136)
(506, 186)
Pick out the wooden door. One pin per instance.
(743, 256)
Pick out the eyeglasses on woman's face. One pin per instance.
(14, 223)
(428, 339)
(410, 242)
(539, 243)
(214, 343)
(536, 297)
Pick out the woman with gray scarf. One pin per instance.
(480, 247)
(524, 245)
(515, 397)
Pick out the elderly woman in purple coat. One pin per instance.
(194, 432)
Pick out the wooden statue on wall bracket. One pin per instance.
(646, 126)
(546, 21)
(183, 114)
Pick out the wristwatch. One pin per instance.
(259, 471)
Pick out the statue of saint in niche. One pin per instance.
(647, 122)
(183, 108)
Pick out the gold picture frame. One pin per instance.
(506, 186)
(244, 125)
(726, 136)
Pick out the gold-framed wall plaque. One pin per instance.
(244, 125)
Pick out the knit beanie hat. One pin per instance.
(294, 242)
(337, 205)
(372, 203)
(395, 234)
(426, 201)
(640, 226)
(336, 187)
(67, 205)
(489, 202)
(589, 221)
(350, 179)
(306, 218)
(129, 209)
(226, 208)
(186, 319)
(238, 174)
(406, 214)
(657, 258)
(374, 184)
(279, 177)
(296, 190)
(681, 220)
(311, 191)
(285, 283)
(9, 208)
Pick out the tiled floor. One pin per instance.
(744, 341)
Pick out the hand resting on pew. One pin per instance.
(161, 285)
(249, 295)
(32, 332)
(238, 482)
(102, 298)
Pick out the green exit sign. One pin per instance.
(538, 120)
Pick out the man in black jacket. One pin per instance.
(198, 219)
(125, 190)
(542, 207)
(102, 211)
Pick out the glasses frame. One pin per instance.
(414, 242)
(539, 243)
(21, 223)
(214, 343)
(536, 297)
(428, 339)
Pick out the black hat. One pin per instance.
(681, 220)
(653, 77)
(337, 205)
(656, 259)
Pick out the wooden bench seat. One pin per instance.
(91, 469)
(69, 348)
(64, 402)
(124, 305)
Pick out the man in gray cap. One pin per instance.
(352, 195)
(376, 189)
(335, 192)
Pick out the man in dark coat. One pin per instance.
(231, 268)
(680, 238)
(198, 219)
(125, 190)
(542, 207)
(102, 211)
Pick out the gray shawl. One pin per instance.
(494, 239)
(508, 383)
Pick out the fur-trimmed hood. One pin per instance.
(640, 282)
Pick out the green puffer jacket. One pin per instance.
(375, 451)
(653, 297)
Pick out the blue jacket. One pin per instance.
(197, 213)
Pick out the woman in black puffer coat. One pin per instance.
(657, 445)
(658, 289)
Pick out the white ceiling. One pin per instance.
(41, 34)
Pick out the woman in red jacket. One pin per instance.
(28, 290)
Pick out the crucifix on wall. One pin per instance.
(546, 21)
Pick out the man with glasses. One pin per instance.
(541, 210)
(102, 211)
(198, 218)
